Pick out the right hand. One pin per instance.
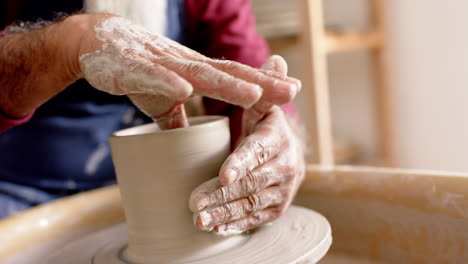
(159, 75)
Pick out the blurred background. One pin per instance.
(425, 43)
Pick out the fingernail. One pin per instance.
(205, 219)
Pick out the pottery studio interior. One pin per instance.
(233, 131)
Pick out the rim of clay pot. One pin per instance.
(196, 123)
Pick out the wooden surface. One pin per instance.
(278, 21)
(315, 82)
(391, 215)
(277, 18)
(382, 89)
(78, 214)
(350, 41)
(377, 215)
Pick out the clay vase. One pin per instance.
(156, 172)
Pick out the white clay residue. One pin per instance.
(123, 65)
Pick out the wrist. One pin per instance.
(70, 35)
(81, 39)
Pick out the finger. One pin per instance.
(207, 219)
(175, 118)
(269, 69)
(277, 88)
(161, 81)
(212, 193)
(277, 70)
(249, 222)
(162, 45)
(166, 112)
(198, 198)
(253, 115)
(277, 64)
(138, 76)
(216, 84)
(253, 151)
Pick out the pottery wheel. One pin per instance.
(301, 235)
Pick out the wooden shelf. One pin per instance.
(334, 42)
(286, 24)
(280, 44)
(348, 41)
(276, 18)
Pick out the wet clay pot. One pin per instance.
(156, 172)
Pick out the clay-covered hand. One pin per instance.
(159, 75)
(257, 182)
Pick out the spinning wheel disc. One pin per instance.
(300, 235)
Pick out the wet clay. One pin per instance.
(156, 173)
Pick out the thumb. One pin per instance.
(274, 63)
(175, 118)
(167, 113)
(252, 116)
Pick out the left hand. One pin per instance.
(257, 182)
(119, 57)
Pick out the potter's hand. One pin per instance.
(159, 75)
(256, 183)
(259, 180)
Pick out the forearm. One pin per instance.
(34, 66)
